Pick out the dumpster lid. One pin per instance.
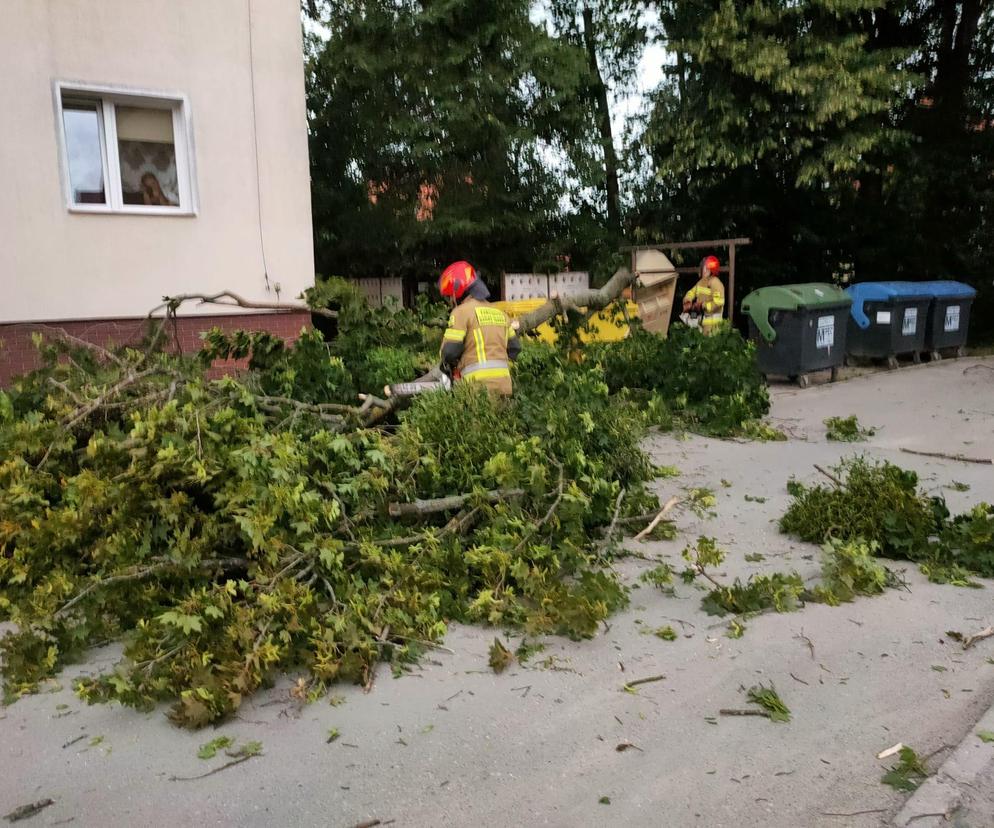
(759, 303)
(882, 292)
(951, 290)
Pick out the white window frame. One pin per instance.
(107, 98)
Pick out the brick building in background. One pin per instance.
(151, 148)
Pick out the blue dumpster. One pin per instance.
(888, 319)
(949, 318)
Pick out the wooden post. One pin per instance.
(731, 283)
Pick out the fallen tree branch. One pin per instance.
(139, 574)
(458, 525)
(27, 811)
(64, 335)
(629, 685)
(614, 521)
(234, 300)
(854, 813)
(333, 408)
(743, 711)
(984, 461)
(830, 476)
(592, 300)
(447, 504)
(673, 501)
(970, 640)
(549, 513)
(225, 766)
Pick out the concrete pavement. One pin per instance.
(453, 744)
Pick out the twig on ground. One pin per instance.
(984, 461)
(629, 685)
(743, 711)
(970, 640)
(27, 811)
(225, 766)
(811, 645)
(829, 475)
(673, 501)
(854, 813)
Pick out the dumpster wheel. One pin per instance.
(835, 374)
(803, 380)
(892, 362)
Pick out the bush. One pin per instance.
(710, 383)
(878, 502)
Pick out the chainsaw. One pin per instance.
(437, 379)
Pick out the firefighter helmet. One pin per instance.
(456, 279)
(711, 265)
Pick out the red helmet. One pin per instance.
(711, 264)
(456, 279)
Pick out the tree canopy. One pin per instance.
(850, 139)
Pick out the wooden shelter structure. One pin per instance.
(730, 246)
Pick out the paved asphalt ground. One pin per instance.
(453, 744)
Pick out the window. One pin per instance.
(125, 152)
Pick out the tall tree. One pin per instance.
(769, 113)
(612, 34)
(433, 123)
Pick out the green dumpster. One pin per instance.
(798, 329)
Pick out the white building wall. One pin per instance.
(56, 264)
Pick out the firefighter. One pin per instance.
(479, 343)
(707, 297)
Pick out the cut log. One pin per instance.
(592, 300)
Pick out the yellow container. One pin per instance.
(607, 326)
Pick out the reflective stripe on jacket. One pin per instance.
(481, 342)
(710, 292)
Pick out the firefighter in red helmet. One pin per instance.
(707, 297)
(479, 343)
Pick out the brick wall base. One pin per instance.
(18, 354)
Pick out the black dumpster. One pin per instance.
(888, 319)
(949, 319)
(798, 329)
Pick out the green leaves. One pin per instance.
(847, 430)
(500, 656)
(186, 623)
(666, 633)
(770, 701)
(225, 533)
(706, 383)
(879, 504)
(850, 568)
(209, 750)
(908, 773)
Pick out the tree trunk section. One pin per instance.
(604, 124)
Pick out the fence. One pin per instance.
(518, 286)
(378, 290)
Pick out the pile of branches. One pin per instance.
(232, 528)
(880, 504)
